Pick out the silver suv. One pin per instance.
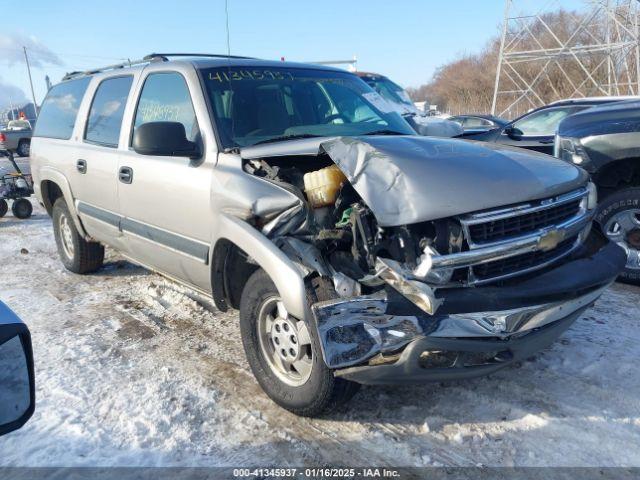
(356, 251)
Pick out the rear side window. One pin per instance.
(60, 109)
(107, 109)
(165, 98)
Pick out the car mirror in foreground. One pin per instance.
(166, 139)
(17, 385)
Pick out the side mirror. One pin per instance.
(513, 132)
(17, 384)
(167, 139)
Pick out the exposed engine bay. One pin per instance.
(337, 235)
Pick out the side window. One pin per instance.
(543, 122)
(165, 98)
(476, 122)
(60, 109)
(107, 109)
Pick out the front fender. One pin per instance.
(288, 279)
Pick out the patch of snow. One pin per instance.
(132, 369)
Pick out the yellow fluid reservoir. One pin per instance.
(322, 186)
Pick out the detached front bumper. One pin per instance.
(385, 339)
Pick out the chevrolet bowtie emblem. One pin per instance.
(550, 240)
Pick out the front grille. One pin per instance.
(522, 262)
(518, 225)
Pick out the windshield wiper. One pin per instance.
(283, 138)
(384, 132)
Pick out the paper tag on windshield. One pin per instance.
(377, 101)
(404, 96)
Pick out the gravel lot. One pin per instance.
(135, 370)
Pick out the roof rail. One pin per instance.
(164, 56)
(152, 57)
(128, 63)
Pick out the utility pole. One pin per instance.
(507, 6)
(13, 115)
(33, 93)
(582, 62)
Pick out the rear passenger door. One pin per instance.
(165, 200)
(96, 161)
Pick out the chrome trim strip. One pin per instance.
(493, 215)
(518, 246)
(482, 281)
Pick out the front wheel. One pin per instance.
(619, 217)
(77, 254)
(4, 207)
(284, 353)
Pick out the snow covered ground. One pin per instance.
(135, 370)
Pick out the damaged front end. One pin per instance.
(420, 260)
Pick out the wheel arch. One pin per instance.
(618, 173)
(53, 185)
(239, 252)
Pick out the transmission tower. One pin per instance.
(567, 54)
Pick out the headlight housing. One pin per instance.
(570, 150)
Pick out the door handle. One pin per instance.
(547, 142)
(81, 166)
(125, 174)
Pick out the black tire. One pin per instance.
(4, 207)
(627, 199)
(322, 392)
(24, 147)
(84, 256)
(22, 208)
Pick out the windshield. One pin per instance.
(257, 105)
(390, 91)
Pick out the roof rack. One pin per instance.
(152, 57)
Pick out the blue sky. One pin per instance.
(406, 40)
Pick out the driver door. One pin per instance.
(165, 200)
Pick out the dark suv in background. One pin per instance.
(535, 130)
(605, 141)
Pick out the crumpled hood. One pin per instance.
(411, 179)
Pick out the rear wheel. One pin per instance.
(77, 254)
(619, 216)
(22, 208)
(4, 207)
(284, 353)
(23, 148)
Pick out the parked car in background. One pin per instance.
(605, 141)
(478, 123)
(16, 137)
(399, 99)
(357, 251)
(536, 130)
(17, 381)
